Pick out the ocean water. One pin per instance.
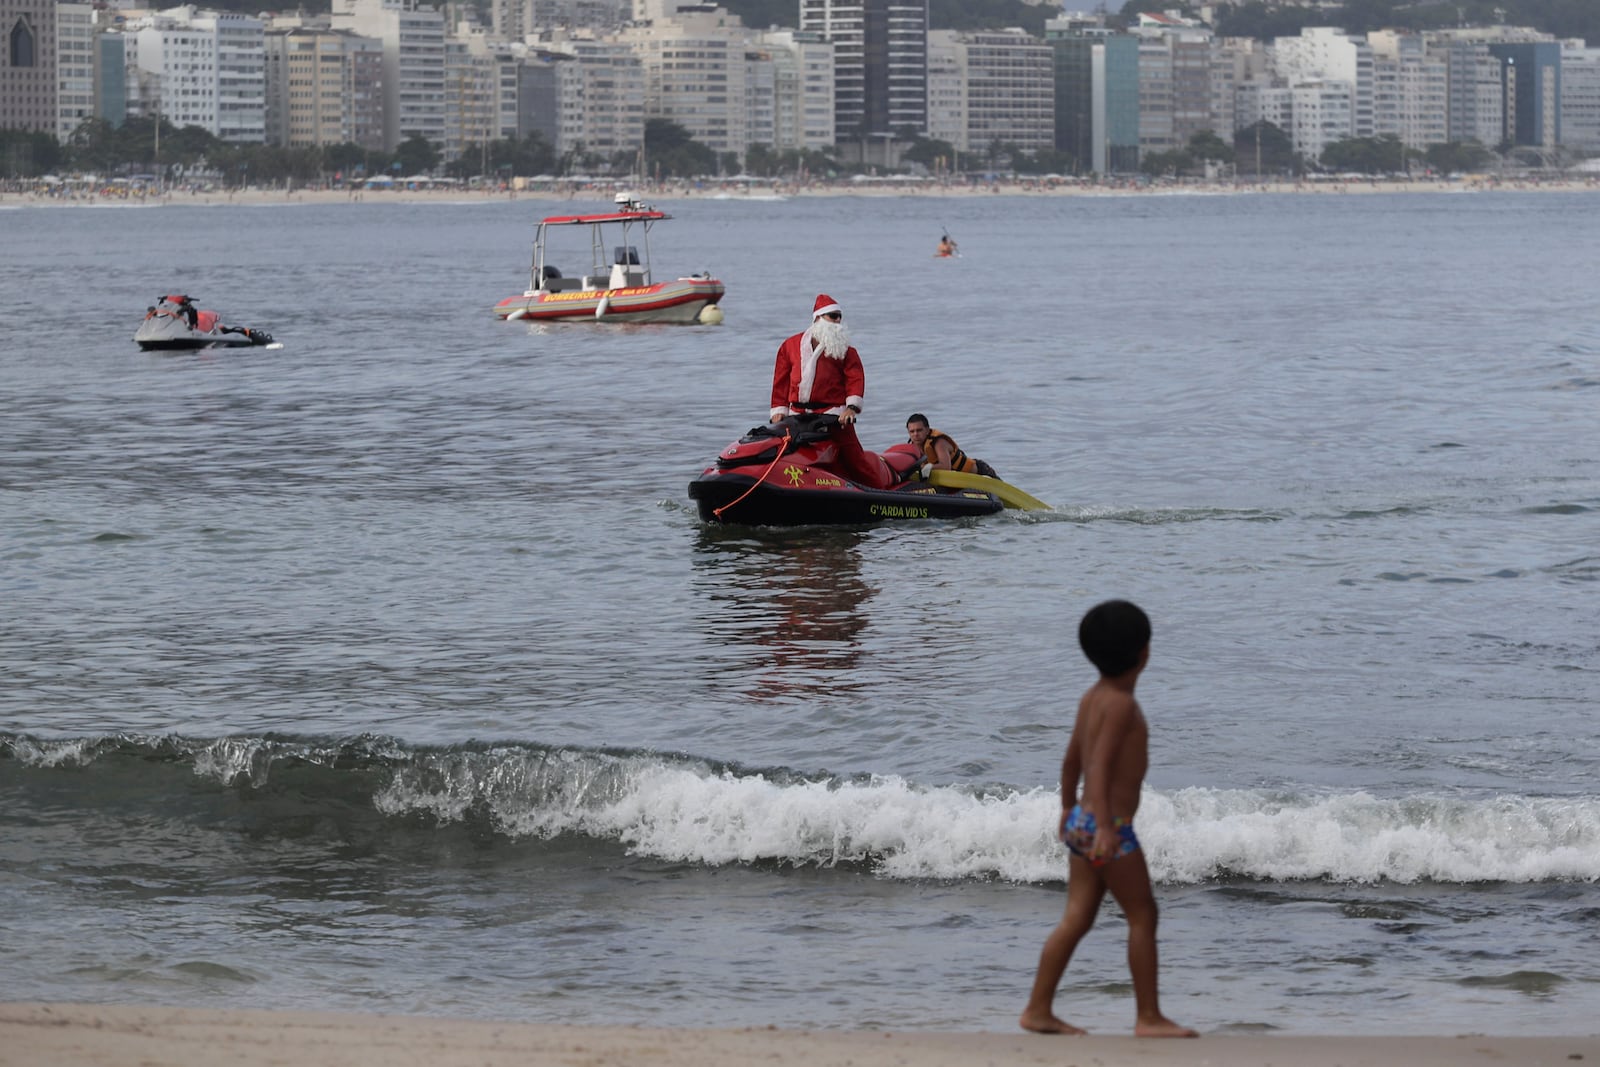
(393, 670)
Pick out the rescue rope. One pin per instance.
(782, 446)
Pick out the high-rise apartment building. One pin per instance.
(1235, 61)
(802, 89)
(472, 116)
(1319, 58)
(1410, 90)
(1174, 81)
(1580, 96)
(695, 73)
(600, 97)
(947, 99)
(28, 65)
(1475, 100)
(194, 68)
(1532, 72)
(516, 20)
(880, 67)
(412, 33)
(75, 58)
(1006, 80)
(111, 77)
(1097, 95)
(324, 86)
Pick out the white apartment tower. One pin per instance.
(947, 97)
(413, 63)
(600, 97)
(1324, 56)
(75, 44)
(1474, 109)
(1175, 66)
(1235, 61)
(1580, 96)
(760, 97)
(1410, 90)
(206, 70)
(802, 89)
(516, 20)
(1313, 113)
(695, 73)
(1006, 81)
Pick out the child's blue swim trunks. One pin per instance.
(1077, 833)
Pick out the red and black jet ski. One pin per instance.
(785, 474)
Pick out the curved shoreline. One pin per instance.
(740, 191)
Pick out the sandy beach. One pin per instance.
(118, 1035)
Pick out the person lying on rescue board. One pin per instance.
(941, 451)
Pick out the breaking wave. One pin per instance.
(681, 809)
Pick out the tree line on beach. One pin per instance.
(192, 156)
(1262, 150)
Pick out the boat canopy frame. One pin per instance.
(629, 213)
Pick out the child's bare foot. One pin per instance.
(1161, 1026)
(1046, 1023)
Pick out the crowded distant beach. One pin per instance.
(41, 195)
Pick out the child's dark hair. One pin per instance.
(1113, 634)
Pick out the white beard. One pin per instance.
(833, 338)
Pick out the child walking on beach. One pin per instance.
(1109, 749)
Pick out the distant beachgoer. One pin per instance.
(941, 450)
(947, 247)
(1110, 749)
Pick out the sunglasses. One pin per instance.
(834, 315)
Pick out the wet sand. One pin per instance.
(136, 1036)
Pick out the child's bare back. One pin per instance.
(1116, 744)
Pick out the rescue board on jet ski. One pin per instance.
(1009, 495)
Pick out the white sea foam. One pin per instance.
(72, 752)
(1196, 833)
(228, 758)
(688, 813)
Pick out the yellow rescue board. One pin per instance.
(1009, 495)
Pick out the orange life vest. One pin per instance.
(959, 461)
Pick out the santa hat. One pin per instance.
(825, 305)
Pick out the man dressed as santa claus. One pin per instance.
(819, 371)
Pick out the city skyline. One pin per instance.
(376, 73)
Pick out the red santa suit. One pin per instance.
(806, 380)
